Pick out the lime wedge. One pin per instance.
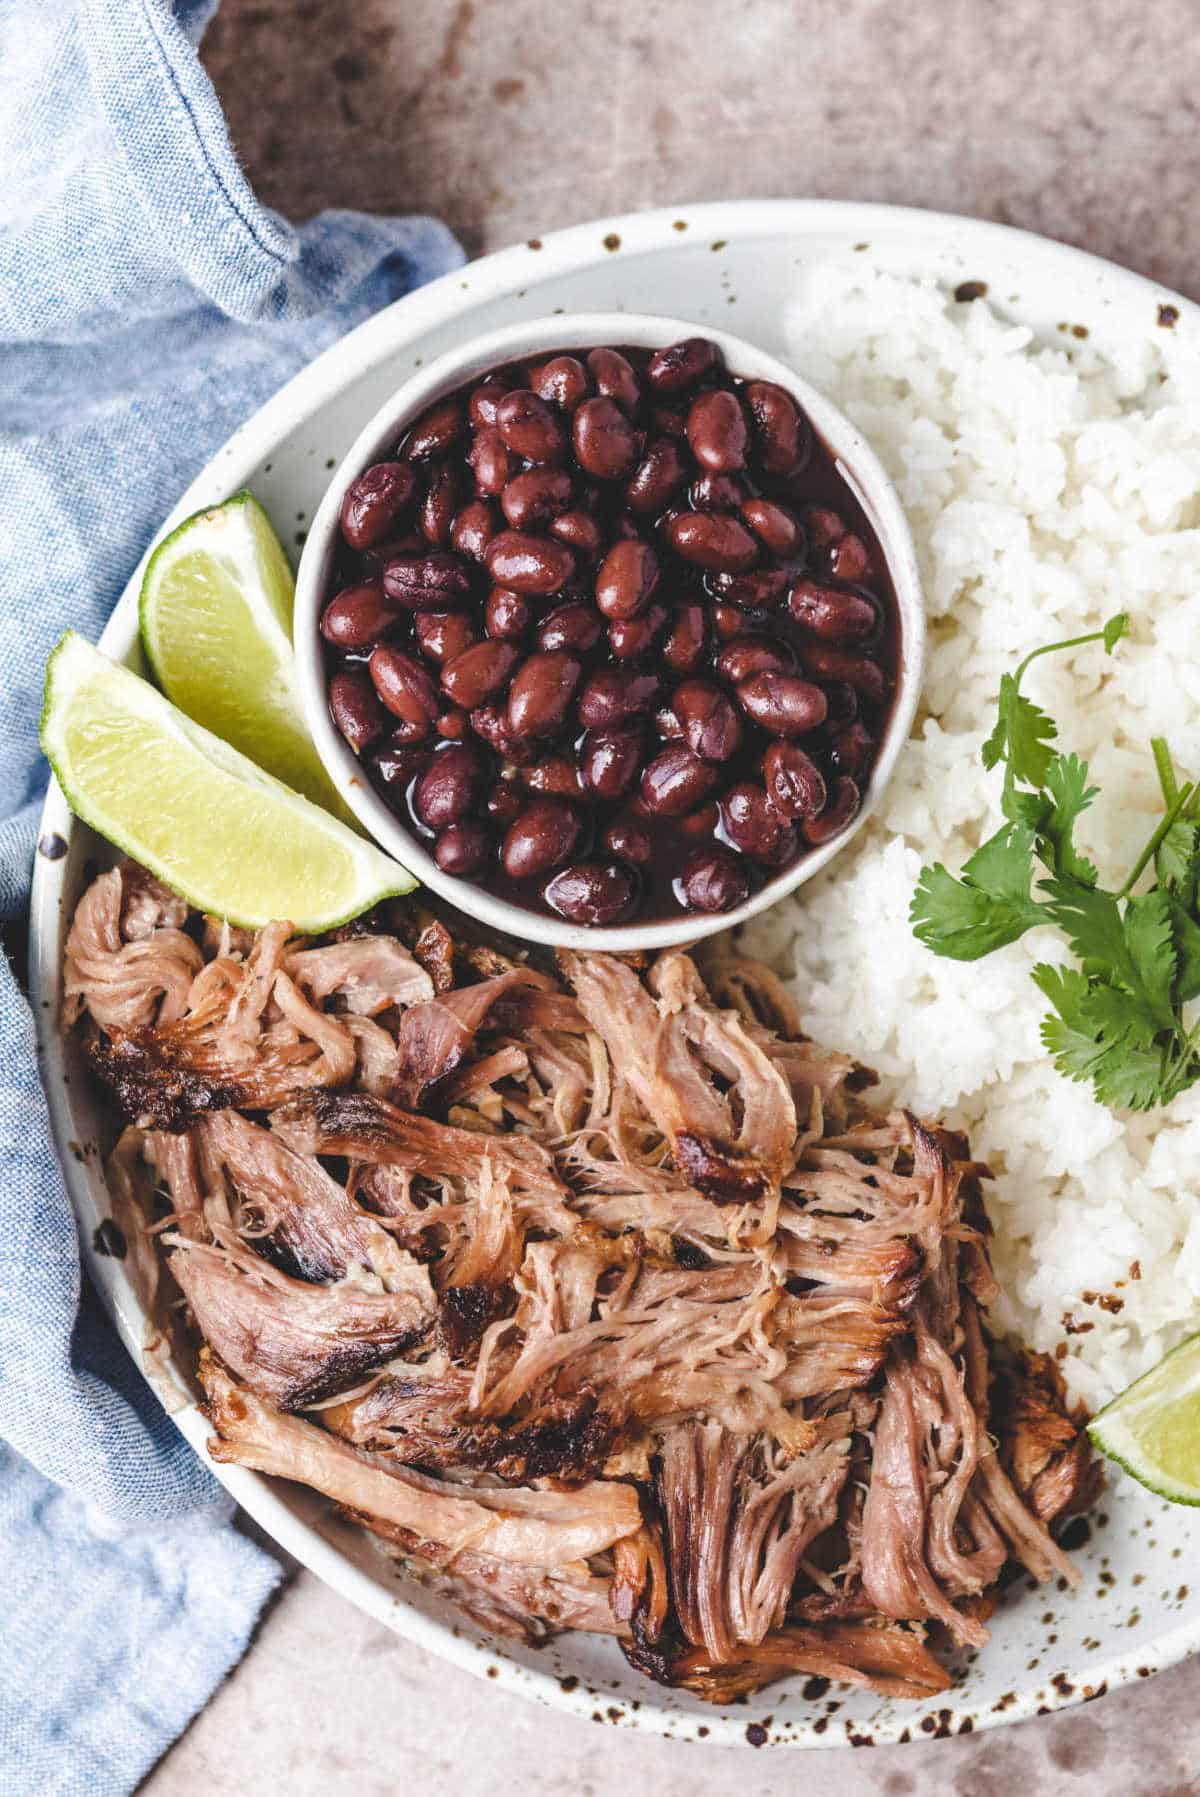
(1153, 1428)
(229, 837)
(216, 617)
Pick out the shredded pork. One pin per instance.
(597, 1294)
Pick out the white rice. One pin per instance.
(1047, 487)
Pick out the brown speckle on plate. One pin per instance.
(612, 241)
(52, 846)
(107, 1239)
(680, 224)
(970, 290)
(533, 243)
(1168, 317)
(719, 243)
(756, 1734)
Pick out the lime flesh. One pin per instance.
(216, 622)
(230, 838)
(1153, 1428)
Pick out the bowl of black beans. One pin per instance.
(609, 629)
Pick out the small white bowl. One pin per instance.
(856, 462)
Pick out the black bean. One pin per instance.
(437, 582)
(630, 839)
(542, 691)
(490, 461)
(406, 689)
(606, 444)
(626, 579)
(676, 781)
(613, 378)
(530, 428)
(716, 431)
(375, 503)
(716, 541)
(632, 639)
(439, 505)
(355, 708)
(533, 498)
(826, 661)
(747, 655)
(842, 810)
(593, 892)
(473, 529)
(657, 478)
(684, 647)
(832, 613)
(478, 673)
(576, 626)
(357, 617)
(794, 782)
(710, 726)
(777, 528)
(529, 564)
(713, 880)
(579, 530)
(610, 761)
(506, 614)
(754, 826)
(462, 849)
(436, 431)
(562, 381)
(783, 437)
(542, 838)
(681, 365)
(784, 704)
(443, 634)
(612, 695)
(450, 787)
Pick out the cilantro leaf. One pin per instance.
(1187, 950)
(1151, 944)
(1177, 862)
(1137, 951)
(988, 907)
(1070, 794)
(1021, 735)
(1097, 1035)
(1114, 630)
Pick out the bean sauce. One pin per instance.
(611, 634)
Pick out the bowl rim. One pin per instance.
(856, 461)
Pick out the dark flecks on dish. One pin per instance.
(970, 290)
(52, 846)
(108, 1239)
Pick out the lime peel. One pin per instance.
(232, 839)
(1152, 1428)
(215, 612)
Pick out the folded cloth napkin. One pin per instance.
(148, 304)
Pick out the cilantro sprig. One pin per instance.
(1117, 1020)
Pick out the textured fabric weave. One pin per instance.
(148, 304)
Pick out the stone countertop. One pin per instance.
(1078, 120)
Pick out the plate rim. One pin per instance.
(572, 249)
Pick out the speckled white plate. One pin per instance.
(730, 263)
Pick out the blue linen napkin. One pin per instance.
(148, 304)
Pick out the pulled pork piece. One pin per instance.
(292, 1342)
(366, 1129)
(525, 1602)
(534, 1528)
(1044, 1447)
(434, 1038)
(612, 1306)
(427, 1420)
(294, 1211)
(891, 1660)
(737, 1525)
(669, 1052)
(128, 963)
